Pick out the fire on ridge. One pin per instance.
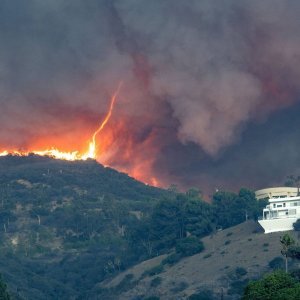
(90, 153)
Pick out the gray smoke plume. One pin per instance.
(196, 75)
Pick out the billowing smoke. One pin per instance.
(198, 76)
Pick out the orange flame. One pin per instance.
(92, 151)
(75, 155)
(115, 148)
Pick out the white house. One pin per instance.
(283, 208)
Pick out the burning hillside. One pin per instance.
(91, 152)
(202, 83)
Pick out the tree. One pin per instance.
(296, 225)
(172, 220)
(142, 238)
(3, 292)
(231, 209)
(271, 287)
(202, 295)
(189, 246)
(294, 252)
(173, 188)
(286, 241)
(194, 193)
(293, 181)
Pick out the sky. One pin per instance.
(210, 94)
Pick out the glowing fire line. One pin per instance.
(75, 155)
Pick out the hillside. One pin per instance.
(93, 178)
(74, 230)
(231, 257)
(64, 224)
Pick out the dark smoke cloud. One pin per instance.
(201, 78)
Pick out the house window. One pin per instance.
(274, 205)
(283, 204)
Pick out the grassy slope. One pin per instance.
(244, 245)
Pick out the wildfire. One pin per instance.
(75, 155)
(92, 151)
(116, 146)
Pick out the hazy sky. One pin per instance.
(210, 93)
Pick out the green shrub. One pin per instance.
(155, 282)
(181, 286)
(154, 271)
(129, 276)
(229, 234)
(296, 225)
(202, 295)
(172, 259)
(227, 242)
(296, 274)
(189, 246)
(240, 271)
(237, 287)
(276, 263)
(207, 255)
(277, 285)
(3, 290)
(126, 283)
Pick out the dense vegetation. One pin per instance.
(67, 226)
(275, 286)
(278, 285)
(4, 295)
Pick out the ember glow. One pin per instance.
(91, 153)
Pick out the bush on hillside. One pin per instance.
(3, 290)
(154, 271)
(155, 282)
(172, 259)
(277, 263)
(240, 271)
(202, 295)
(296, 225)
(179, 287)
(189, 246)
(237, 287)
(277, 285)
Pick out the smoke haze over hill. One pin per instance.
(210, 94)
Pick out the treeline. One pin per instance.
(187, 214)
